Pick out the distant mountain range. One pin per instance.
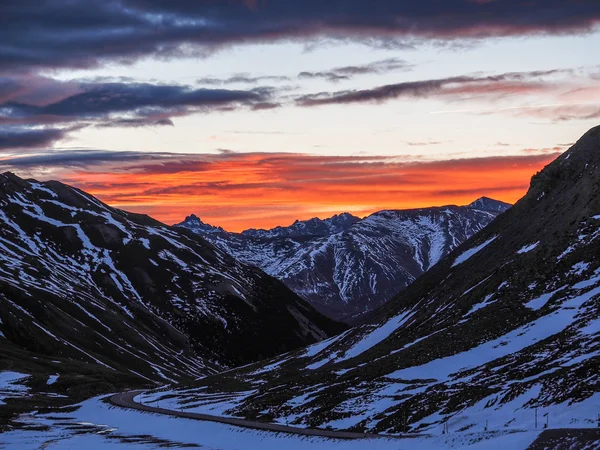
(346, 266)
(502, 332)
(81, 281)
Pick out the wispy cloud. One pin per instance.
(345, 73)
(460, 87)
(242, 79)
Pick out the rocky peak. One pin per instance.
(489, 204)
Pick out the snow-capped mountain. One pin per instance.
(82, 281)
(312, 227)
(345, 266)
(502, 334)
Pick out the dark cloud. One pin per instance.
(334, 77)
(347, 72)
(265, 106)
(83, 33)
(468, 85)
(104, 99)
(84, 157)
(242, 79)
(35, 101)
(136, 123)
(23, 138)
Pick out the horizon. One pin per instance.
(254, 114)
(326, 217)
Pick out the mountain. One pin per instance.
(503, 334)
(83, 282)
(489, 204)
(312, 227)
(345, 266)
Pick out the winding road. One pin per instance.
(126, 400)
(554, 438)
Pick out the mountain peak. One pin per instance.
(569, 167)
(194, 223)
(311, 227)
(489, 204)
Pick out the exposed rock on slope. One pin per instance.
(345, 266)
(507, 323)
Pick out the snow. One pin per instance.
(97, 425)
(52, 379)
(317, 348)
(528, 248)
(379, 334)
(39, 187)
(580, 267)
(467, 254)
(512, 342)
(10, 387)
(486, 301)
(587, 283)
(569, 249)
(540, 302)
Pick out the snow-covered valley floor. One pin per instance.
(98, 425)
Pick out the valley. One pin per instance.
(495, 344)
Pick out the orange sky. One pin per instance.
(262, 190)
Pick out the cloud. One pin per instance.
(34, 101)
(242, 79)
(422, 143)
(466, 86)
(24, 138)
(348, 72)
(84, 33)
(104, 99)
(136, 123)
(234, 189)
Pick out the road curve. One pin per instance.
(126, 400)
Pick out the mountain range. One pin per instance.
(502, 332)
(345, 266)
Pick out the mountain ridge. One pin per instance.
(345, 266)
(82, 281)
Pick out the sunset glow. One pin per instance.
(240, 191)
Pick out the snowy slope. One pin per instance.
(96, 425)
(506, 325)
(82, 281)
(346, 267)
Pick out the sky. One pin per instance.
(257, 113)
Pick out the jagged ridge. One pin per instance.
(346, 267)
